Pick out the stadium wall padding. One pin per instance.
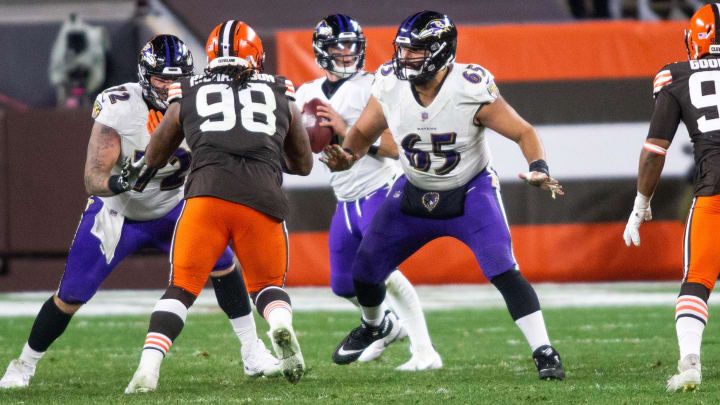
(521, 53)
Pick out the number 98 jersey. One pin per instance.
(440, 146)
(690, 91)
(236, 134)
(123, 109)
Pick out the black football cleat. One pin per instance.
(547, 360)
(365, 335)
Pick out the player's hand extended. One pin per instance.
(337, 159)
(130, 173)
(334, 120)
(542, 180)
(641, 212)
(154, 118)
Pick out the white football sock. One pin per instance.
(404, 301)
(279, 316)
(30, 356)
(533, 327)
(354, 301)
(244, 327)
(151, 360)
(689, 334)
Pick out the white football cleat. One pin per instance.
(427, 360)
(288, 352)
(689, 376)
(257, 360)
(17, 375)
(143, 381)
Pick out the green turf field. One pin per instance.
(611, 356)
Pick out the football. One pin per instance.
(319, 136)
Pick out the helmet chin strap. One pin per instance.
(345, 71)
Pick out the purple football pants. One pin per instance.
(347, 228)
(86, 267)
(393, 236)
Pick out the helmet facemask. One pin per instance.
(420, 68)
(341, 58)
(165, 57)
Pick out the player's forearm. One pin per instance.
(96, 183)
(358, 142)
(530, 145)
(649, 170)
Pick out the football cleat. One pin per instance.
(689, 375)
(362, 337)
(257, 360)
(17, 375)
(427, 360)
(288, 352)
(548, 363)
(376, 348)
(143, 381)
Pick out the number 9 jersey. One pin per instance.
(236, 134)
(690, 91)
(440, 146)
(123, 109)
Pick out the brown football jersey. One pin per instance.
(690, 92)
(236, 135)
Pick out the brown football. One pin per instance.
(319, 136)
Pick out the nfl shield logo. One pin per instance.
(424, 115)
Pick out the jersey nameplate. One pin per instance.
(703, 63)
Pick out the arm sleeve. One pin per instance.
(665, 117)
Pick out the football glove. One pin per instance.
(154, 118)
(641, 212)
(128, 176)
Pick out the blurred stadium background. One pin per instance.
(584, 83)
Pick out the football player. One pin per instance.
(687, 91)
(118, 221)
(238, 122)
(437, 110)
(339, 47)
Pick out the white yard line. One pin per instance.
(122, 302)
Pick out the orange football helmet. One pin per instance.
(235, 39)
(701, 34)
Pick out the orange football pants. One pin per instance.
(204, 229)
(700, 248)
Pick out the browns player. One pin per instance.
(118, 221)
(339, 47)
(688, 92)
(238, 122)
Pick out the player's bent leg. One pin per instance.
(50, 323)
(234, 300)
(166, 322)
(524, 308)
(273, 303)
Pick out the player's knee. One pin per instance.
(66, 307)
(178, 293)
(222, 272)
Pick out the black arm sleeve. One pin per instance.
(665, 117)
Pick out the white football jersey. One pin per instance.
(440, 146)
(370, 172)
(123, 109)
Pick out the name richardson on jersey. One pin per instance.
(221, 77)
(704, 63)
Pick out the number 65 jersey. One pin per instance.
(123, 109)
(690, 91)
(440, 146)
(236, 134)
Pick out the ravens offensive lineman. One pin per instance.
(239, 123)
(339, 47)
(437, 110)
(688, 92)
(118, 221)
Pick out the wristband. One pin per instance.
(373, 150)
(540, 166)
(114, 184)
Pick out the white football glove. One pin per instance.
(641, 212)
